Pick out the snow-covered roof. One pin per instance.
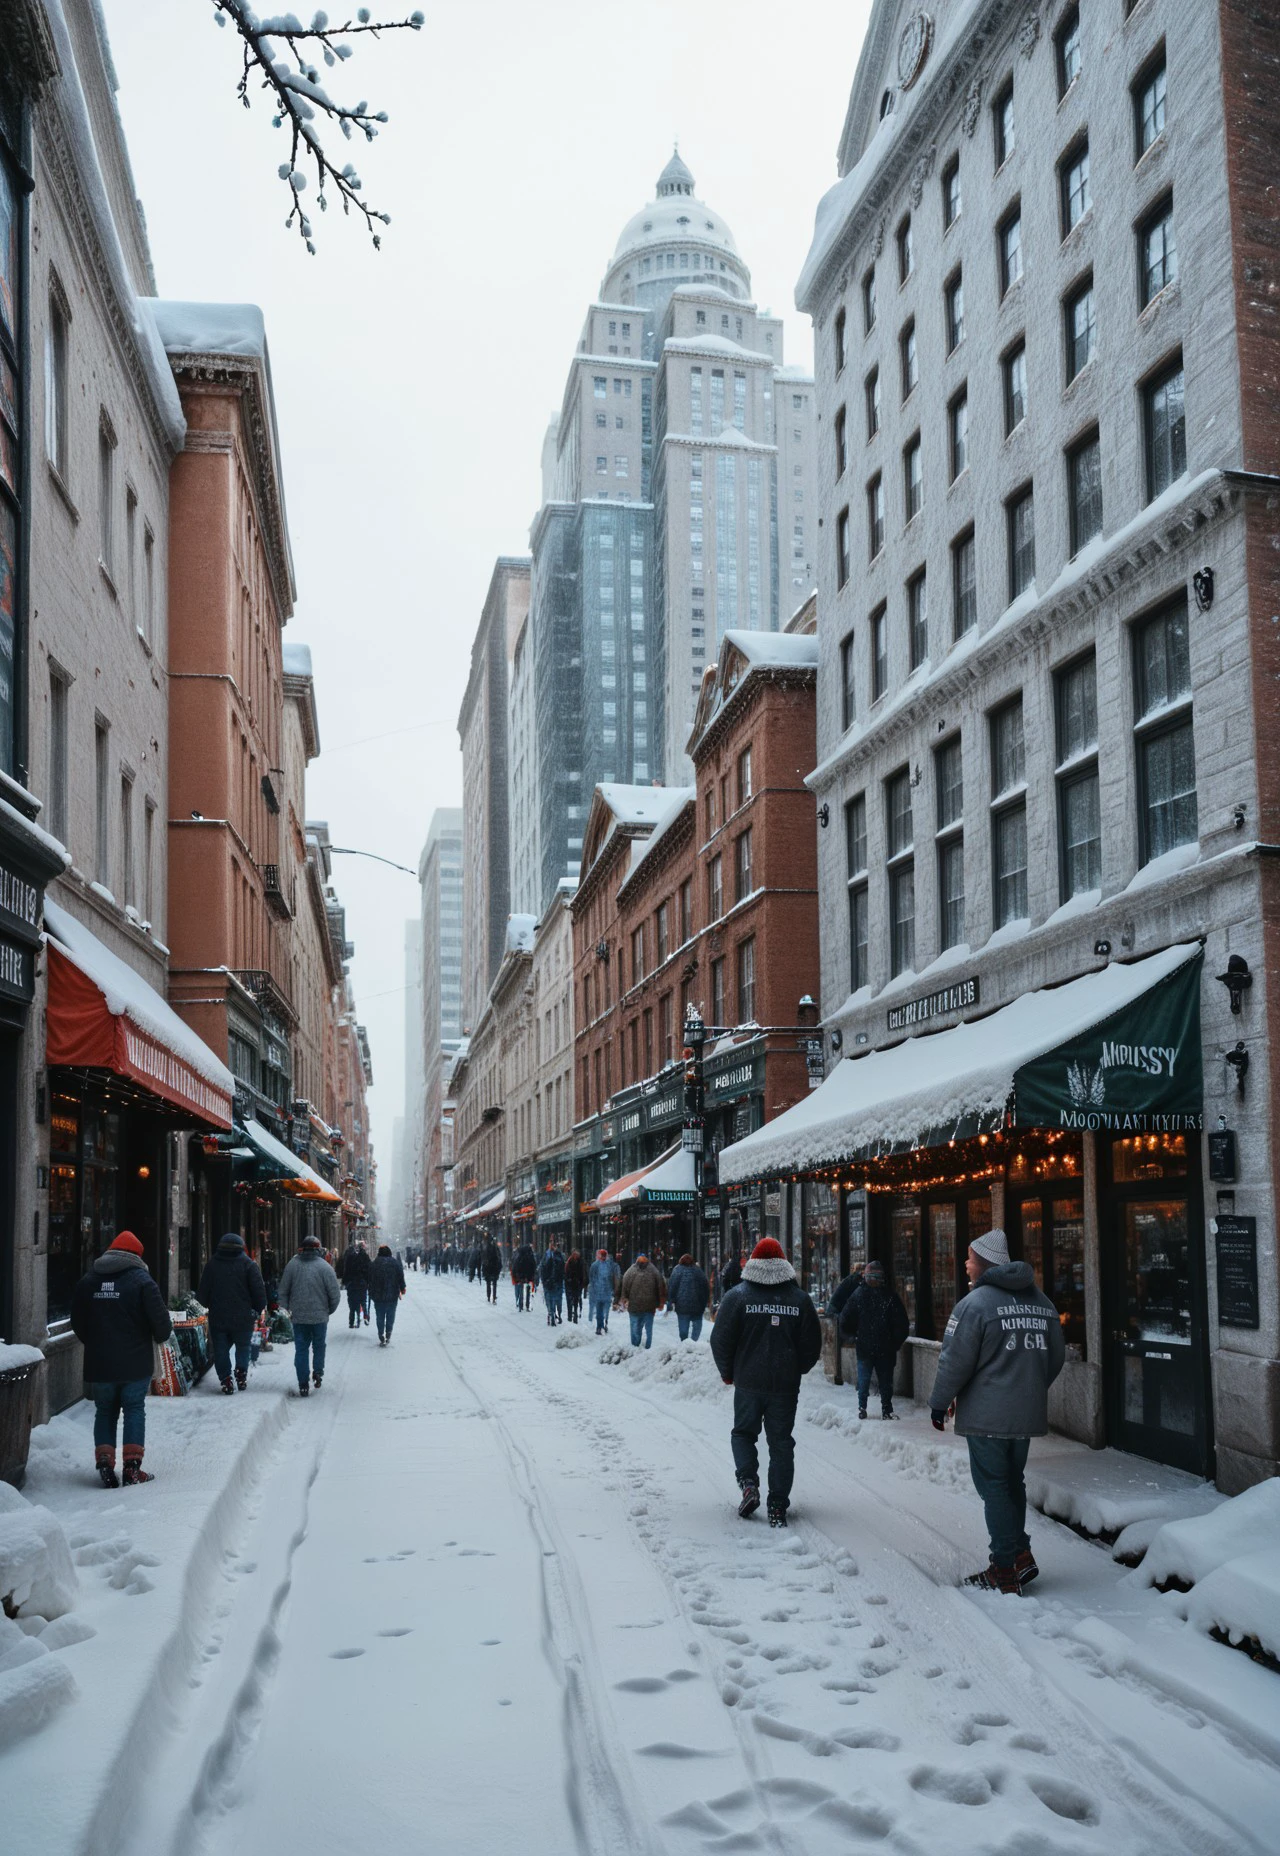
(126, 992)
(297, 660)
(776, 650)
(520, 933)
(210, 328)
(898, 1096)
(634, 805)
(675, 216)
(678, 797)
(715, 344)
(291, 1167)
(801, 376)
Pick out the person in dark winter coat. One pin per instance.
(232, 1289)
(524, 1272)
(357, 1268)
(840, 1294)
(387, 1285)
(730, 1275)
(602, 1289)
(766, 1337)
(1002, 1350)
(491, 1264)
(118, 1312)
(574, 1277)
(551, 1276)
(875, 1325)
(309, 1290)
(644, 1290)
(688, 1292)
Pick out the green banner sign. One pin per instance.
(1137, 1072)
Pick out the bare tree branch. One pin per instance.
(281, 51)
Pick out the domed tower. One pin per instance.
(674, 240)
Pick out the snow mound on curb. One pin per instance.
(690, 1368)
(614, 1355)
(37, 1578)
(37, 1583)
(1230, 1560)
(572, 1337)
(32, 1693)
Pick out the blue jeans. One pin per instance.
(642, 1324)
(690, 1326)
(996, 1465)
(309, 1336)
(222, 1340)
(553, 1298)
(109, 1400)
(385, 1314)
(882, 1365)
(600, 1306)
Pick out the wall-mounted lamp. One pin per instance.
(1102, 949)
(1237, 979)
(1239, 1061)
(1202, 581)
(602, 950)
(824, 815)
(1238, 816)
(837, 1040)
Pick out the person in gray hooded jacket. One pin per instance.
(1002, 1350)
(309, 1290)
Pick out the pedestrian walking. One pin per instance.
(644, 1291)
(688, 1292)
(357, 1267)
(118, 1312)
(386, 1285)
(491, 1264)
(574, 1279)
(232, 1289)
(551, 1276)
(875, 1324)
(1002, 1350)
(766, 1337)
(602, 1289)
(731, 1275)
(524, 1272)
(309, 1290)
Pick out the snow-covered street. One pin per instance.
(487, 1592)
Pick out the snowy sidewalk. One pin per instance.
(488, 1593)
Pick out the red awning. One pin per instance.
(85, 1033)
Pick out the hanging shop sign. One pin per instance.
(661, 1110)
(740, 1073)
(961, 997)
(1237, 1243)
(1137, 1072)
(17, 971)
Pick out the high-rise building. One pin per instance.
(440, 993)
(678, 486)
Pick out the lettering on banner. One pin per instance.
(958, 998)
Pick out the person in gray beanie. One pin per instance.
(1002, 1350)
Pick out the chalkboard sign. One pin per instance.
(1222, 1155)
(1237, 1272)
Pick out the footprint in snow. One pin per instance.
(953, 1785)
(977, 1727)
(404, 1630)
(671, 1749)
(343, 1656)
(1064, 1800)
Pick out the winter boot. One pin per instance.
(133, 1470)
(317, 1380)
(228, 1385)
(890, 1413)
(242, 1378)
(862, 1411)
(777, 1513)
(303, 1388)
(1026, 1568)
(105, 1457)
(995, 1578)
(750, 1500)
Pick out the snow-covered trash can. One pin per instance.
(20, 1369)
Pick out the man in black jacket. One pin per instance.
(357, 1269)
(491, 1264)
(876, 1325)
(118, 1312)
(232, 1289)
(766, 1337)
(387, 1283)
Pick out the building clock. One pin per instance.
(913, 48)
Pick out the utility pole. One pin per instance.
(693, 1132)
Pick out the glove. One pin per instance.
(939, 1420)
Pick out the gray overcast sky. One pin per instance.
(414, 384)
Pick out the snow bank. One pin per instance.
(37, 1578)
(572, 1337)
(32, 1692)
(1107, 1492)
(13, 1355)
(1231, 1560)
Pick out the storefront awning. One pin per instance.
(626, 1190)
(671, 1181)
(486, 1207)
(104, 1016)
(1117, 1050)
(282, 1167)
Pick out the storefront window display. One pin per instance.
(821, 1240)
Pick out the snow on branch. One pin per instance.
(283, 52)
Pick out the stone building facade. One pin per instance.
(440, 884)
(1046, 720)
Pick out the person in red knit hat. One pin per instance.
(766, 1338)
(118, 1312)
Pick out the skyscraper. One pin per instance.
(440, 879)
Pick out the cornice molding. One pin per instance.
(29, 45)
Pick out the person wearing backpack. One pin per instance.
(875, 1325)
(386, 1285)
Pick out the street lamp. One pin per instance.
(693, 1132)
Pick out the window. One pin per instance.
(131, 552)
(902, 887)
(686, 911)
(912, 479)
(1164, 419)
(1010, 864)
(955, 313)
(1081, 328)
(1021, 516)
(949, 783)
(918, 618)
(666, 1027)
(1084, 490)
(600, 386)
(742, 867)
(949, 778)
(879, 652)
(662, 932)
(102, 825)
(1015, 388)
(1003, 125)
(56, 402)
(745, 787)
(602, 467)
(715, 889)
(839, 342)
(842, 548)
(717, 992)
(875, 516)
(873, 402)
(842, 449)
(910, 360)
(848, 698)
(899, 834)
(620, 466)
(1067, 46)
(855, 835)
(958, 423)
(1008, 749)
(1073, 187)
(637, 955)
(906, 251)
(148, 861)
(127, 895)
(869, 301)
(951, 193)
(1157, 253)
(1010, 239)
(1079, 816)
(106, 494)
(1166, 747)
(747, 982)
(964, 584)
(1149, 107)
(58, 699)
(710, 809)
